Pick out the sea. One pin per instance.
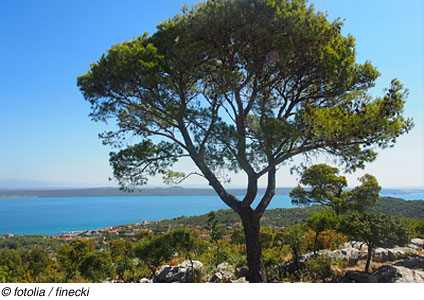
(53, 215)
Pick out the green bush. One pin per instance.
(318, 269)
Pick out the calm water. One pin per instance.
(55, 215)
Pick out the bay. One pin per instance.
(53, 215)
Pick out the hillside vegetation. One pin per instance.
(284, 217)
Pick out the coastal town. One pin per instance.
(131, 231)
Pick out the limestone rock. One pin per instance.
(418, 242)
(410, 269)
(222, 277)
(358, 277)
(397, 274)
(179, 273)
(412, 262)
(351, 255)
(225, 267)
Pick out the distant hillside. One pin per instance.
(413, 209)
(159, 191)
(109, 192)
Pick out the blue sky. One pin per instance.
(45, 131)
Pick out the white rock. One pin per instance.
(397, 274)
(418, 242)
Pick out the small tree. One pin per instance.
(294, 237)
(71, 256)
(376, 230)
(419, 228)
(122, 255)
(37, 260)
(97, 266)
(320, 221)
(154, 251)
(216, 233)
(326, 187)
(365, 195)
(184, 241)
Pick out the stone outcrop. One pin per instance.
(417, 243)
(404, 263)
(354, 252)
(224, 273)
(404, 271)
(397, 274)
(222, 277)
(179, 273)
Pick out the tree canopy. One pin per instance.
(320, 221)
(326, 187)
(376, 230)
(240, 85)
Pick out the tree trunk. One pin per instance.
(253, 246)
(367, 266)
(315, 243)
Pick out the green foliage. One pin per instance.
(216, 231)
(318, 269)
(364, 196)
(24, 265)
(326, 188)
(376, 230)
(12, 266)
(29, 241)
(413, 209)
(267, 237)
(294, 238)
(186, 242)
(284, 217)
(322, 220)
(240, 86)
(96, 266)
(71, 256)
(237, 237)
(419, 228)
(154, 251)
(328, 239)
(38, 261)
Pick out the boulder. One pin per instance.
(410, 269)
(400, 252)
(382, 255)
(222, 277)
(351, 255)
(225, 267)
(397, 274)
(357, 277)
(145, 280)
(179, 273)
(412, 262)
(418, 242)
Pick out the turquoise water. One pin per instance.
(54, 215)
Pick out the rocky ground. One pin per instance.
(400, 264)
